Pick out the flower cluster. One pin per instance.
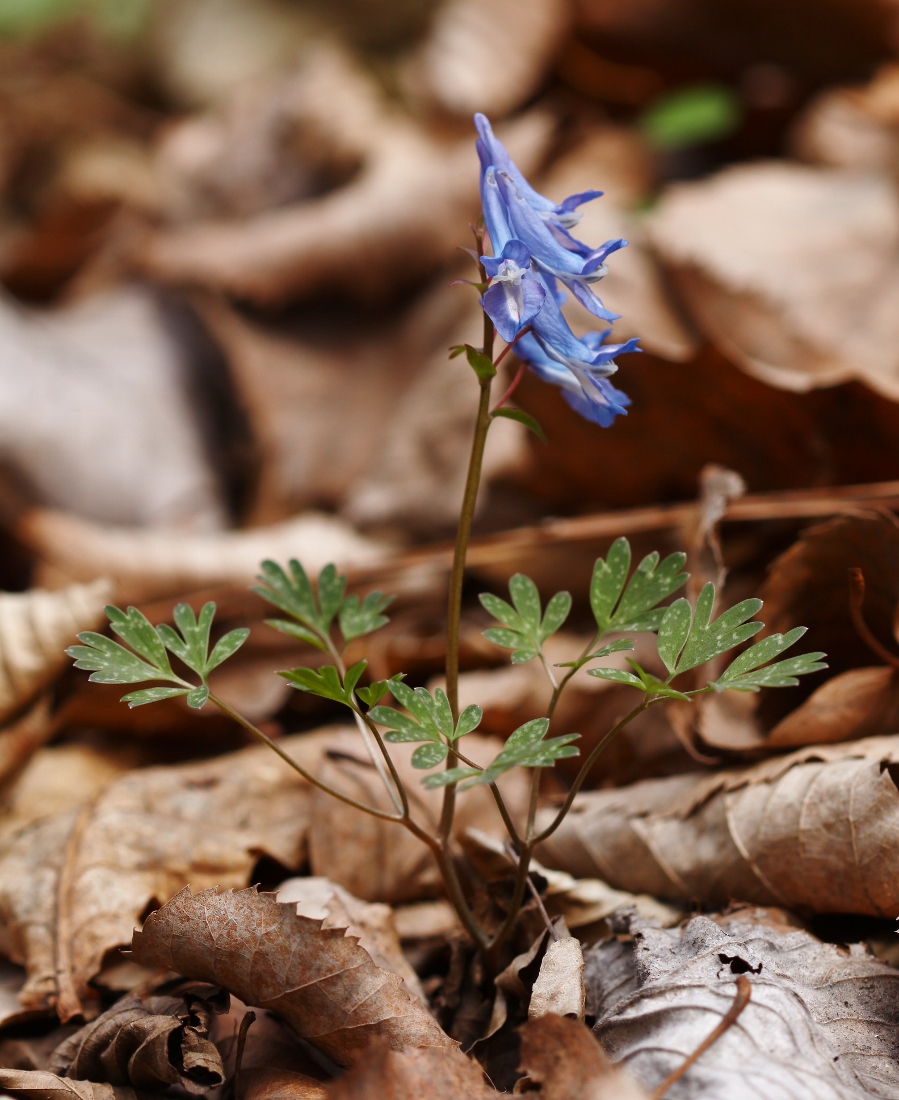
(533, 253)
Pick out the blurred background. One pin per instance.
(228, 230)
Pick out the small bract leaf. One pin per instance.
(522, 417)
(151, 695)
(197, 698)
(481, 364)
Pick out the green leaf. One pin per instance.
(352, 676)
(331, 589)
(608, 582)
(674, 630)
(375, 692)
(557, 611)
(296, 631)
(523, 418)
(429, 718)
(762, 652)
(226, 647)
(430, 755)
(194, 632)
(151, 695)
(444, 714)
(652, 685)
(691, 116)
(746, 674)
(618, 676)
(481, 364)
(710, 639)
(508, 639)
(358, 618)
(446, 778)
(111, 663)
(650, 584)
(402, 726)
(134, 628)
(502, 611)
(526, 748)
(292, 594)
(469, 720)
(197, 698)
(455, 350)
(324, 682)
(526, 600)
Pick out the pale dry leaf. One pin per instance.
(148, 1043)
(151, 564)
(821, 1020)
(35, 628)
(380, 860)
(862, 702)
(384, 1074)
(399, 215)
(615, 160)
(20, 740)
(751, 251)
(424, 920)
(371, 923)
(810, 831)
(561, 1060)
(280, 1084)
(106, 369)
(40, 1085)
(456, 68)
(559, 986)
(74, 884)
(582, 902)
(320, 981)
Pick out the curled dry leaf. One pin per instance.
(35, 628)
(371, 923)
(821, 1020)
(380, 860)
(320, 981)
(40, 1085)
(280, 1084)
(151, 564)
(456, 64)
(387, 224)
(559, 986)
(751, 252)
(811, 831)
(862, 702)
(561, 1060)
(439, 1074)
(106, 369)
(148, 1043)
(73, 884)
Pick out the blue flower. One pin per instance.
(533, 253)
(515, 295)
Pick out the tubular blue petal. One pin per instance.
(496, 217)
(514, 250)
(511, 306)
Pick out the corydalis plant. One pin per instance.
(532, 255)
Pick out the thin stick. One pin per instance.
(744, 992)
(535, 894)
(856, 599)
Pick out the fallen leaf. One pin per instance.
(318, 980)
(35, 628)
(151, 564)
(115, 438)
(809, 831)
(561, 1060)
(148, 1043)
(559, 986)
(424, 920)
(39, 1085)
(384, 226)
(73, 884)
(862, 702)
(371, 923)
(820, 1021)
(279, 1084)
(379, 860)
(455, 65)
(583, 902)
(750, 250)
(384, 1074)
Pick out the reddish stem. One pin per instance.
(505, 397)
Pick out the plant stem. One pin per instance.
(585, 768)
(275, 747)
(463, 536)
(498, 798)
(521, 878)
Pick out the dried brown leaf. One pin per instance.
(821, 1020)
(73, 884)
(559, 986)
(561, 1060)
(380, 860)
(384, 1074)
(279, 1084)
(387, 224)
(35, 628)
(152, 564)
(456, 64)
(813, 830)
(371, 923)
(148, 1043)
(862, 702)
(318, 980)
(39, 1085)
(750, 249)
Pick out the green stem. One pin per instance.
(500, 803)
(308, 776)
